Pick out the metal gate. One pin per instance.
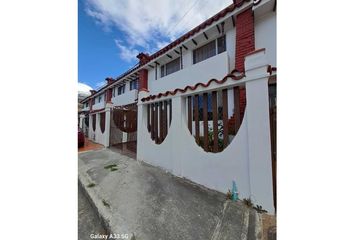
(123, 133)
(273, 135)
(86, 125)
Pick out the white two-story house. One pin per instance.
(199, 107)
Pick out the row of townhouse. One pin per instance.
(204, 106)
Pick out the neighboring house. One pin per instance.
(185, 105)
(83, 92)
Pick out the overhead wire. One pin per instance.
(192, 6)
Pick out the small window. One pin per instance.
(204, 52)
(173, 66)
(99, 98)
(221, 44)
(114, 92)
(162, 70)
(121, 89)
(133, 84)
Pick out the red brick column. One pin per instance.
(90, 104)
(245, 44)
(109, 91)
(244, 37)
(143, 73)
(109, 95)
(143, 80)
(91, 99)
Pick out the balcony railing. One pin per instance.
(126, 98)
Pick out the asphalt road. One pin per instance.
(88, 220)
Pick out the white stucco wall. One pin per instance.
(247, 159)
(127, 97)
(99, 105)
(91, 132)
(214, 67)
(201, 72)
(98, 136)
(179, 154)
(265, 35)
(230, 47)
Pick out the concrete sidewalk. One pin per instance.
(147, 203)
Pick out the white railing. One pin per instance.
(214, 67)
(126, 98)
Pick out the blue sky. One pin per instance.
(112, 32)
(98, 53)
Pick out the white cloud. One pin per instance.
(84, 88)
(149, 24)
(126, 53)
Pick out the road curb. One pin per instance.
(95, 202)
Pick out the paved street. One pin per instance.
(143, 201)
(88, 220)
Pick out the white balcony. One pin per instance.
(98, 105)
(126, 98)
(214, 67)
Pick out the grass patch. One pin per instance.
(105, 203)
(112, 167)
(91, 185)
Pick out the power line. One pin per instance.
(173, 28)
(204, 5)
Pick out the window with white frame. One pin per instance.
(121, 89)
(162, 70)
(171, 67)
(221, 44)
(99, 98)
(133, 84)
(209, 50)
(114, 92)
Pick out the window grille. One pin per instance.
(204, 52)
(221, 44)
(173, 66)
(133, 84)
(163, 71)
(209, 49)
(121, 89)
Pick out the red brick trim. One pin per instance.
(172, 93)
(97, 110)
(271, 69)
(143, 79)
(144, 89)
(255, 51)
(245, 42)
